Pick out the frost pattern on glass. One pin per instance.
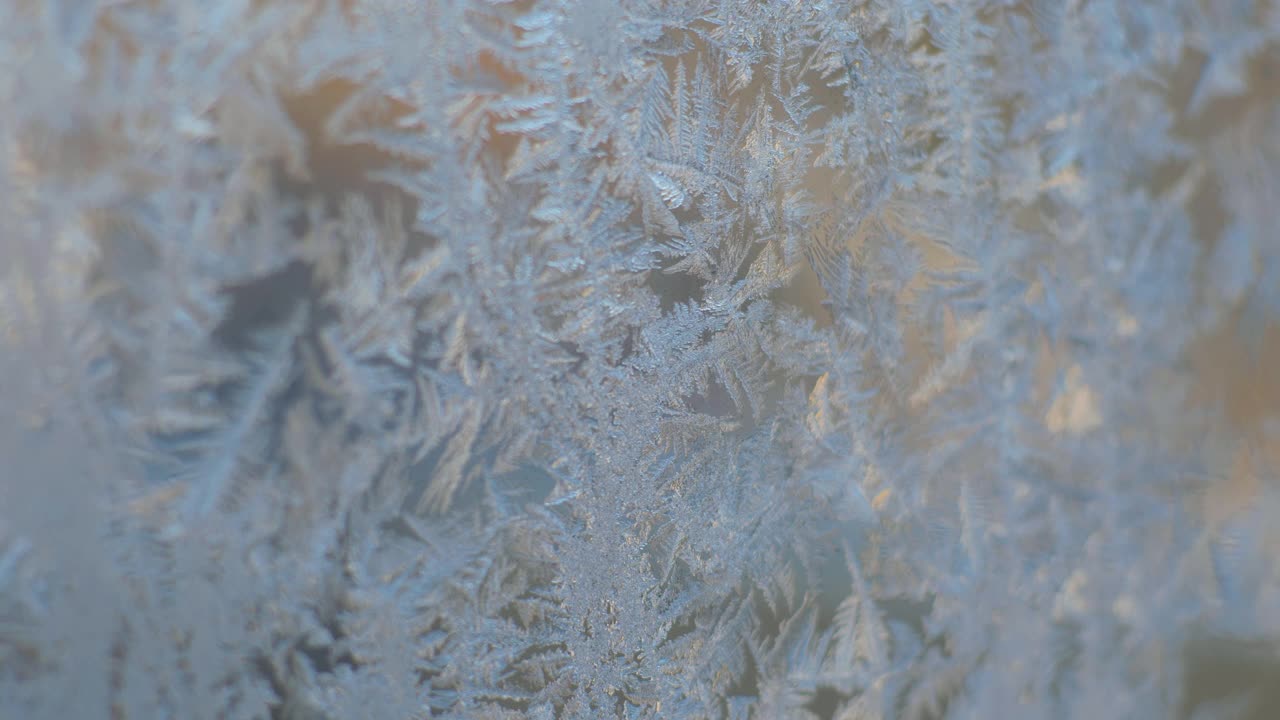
(639, 358)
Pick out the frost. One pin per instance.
(639, 359)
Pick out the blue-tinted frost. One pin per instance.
(642, 359)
